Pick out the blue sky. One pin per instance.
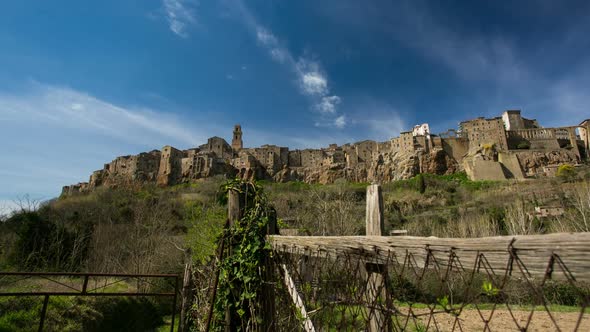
(83, 82)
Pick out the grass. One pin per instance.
(77, 313)
(166, 326)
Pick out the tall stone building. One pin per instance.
(236, 143)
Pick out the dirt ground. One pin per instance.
(471, 320)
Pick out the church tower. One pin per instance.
(236, 142)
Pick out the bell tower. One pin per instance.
(236, 142)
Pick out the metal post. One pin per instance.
(43, 312)
(85, 286)
(174, 303)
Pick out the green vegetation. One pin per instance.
(524, 145)
(566, 172)
(242, 271)
(140, 230)
(80, 314)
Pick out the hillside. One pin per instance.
(140, 229)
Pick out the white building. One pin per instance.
(421, 130)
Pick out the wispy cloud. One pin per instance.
(328, 104)
(340, 121)
(377, 120)
(57, 106)
(57, 135)
(311, 79)
(499, 71)
(384, 128)
(180, 14)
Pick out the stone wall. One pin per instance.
(456, 147)
(170, 172)
(510, 165)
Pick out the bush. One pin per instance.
(45, 245)
(80, 314)
(566, 172)
(524, 145)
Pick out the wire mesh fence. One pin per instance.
(33, 290)
(424, 284)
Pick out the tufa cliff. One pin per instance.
(487, 149)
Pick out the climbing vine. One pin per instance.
(242, 265)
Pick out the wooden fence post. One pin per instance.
(375, 222)
(236, 209)
(187, 292)
(268, 289)
(376, 293)
(236, 203)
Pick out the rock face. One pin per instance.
(366, 161)
(535, 163)
(487, 149)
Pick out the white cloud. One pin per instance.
(269, 41)
(179, 16)
(64, 107)
(311, 79)
(266, 37)
(314, 83)
(340, 121)
(384, 128)
(77, 107)
(280, 55)
(378, 120)
(65, 134)
(328, 104)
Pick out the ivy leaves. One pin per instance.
(241, 270)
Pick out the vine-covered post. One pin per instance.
(376, 292)
(236, 203)
(246, 283)
(268, 288)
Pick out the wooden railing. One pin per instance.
(501, 262)
(541, 254)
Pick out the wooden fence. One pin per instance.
(532, 260)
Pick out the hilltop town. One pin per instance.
(505, 147)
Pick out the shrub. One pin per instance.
(524, 145)
(488, 146)
(80, 314)
(43, 244)
(566, 172)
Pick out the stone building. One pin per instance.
(482, 131)
(170, 171)
(514, 121)
(509, 146)
(237, 144)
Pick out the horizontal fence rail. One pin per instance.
(46, 284)
(543, 254)
(377, 283)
